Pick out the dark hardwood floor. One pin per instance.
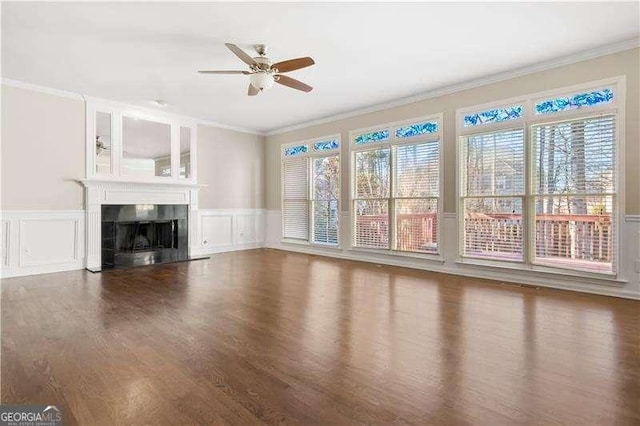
(270, 336)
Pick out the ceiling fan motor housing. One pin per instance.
(263, 62)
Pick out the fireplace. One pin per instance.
(143, 234)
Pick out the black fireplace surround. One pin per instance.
(143, 234)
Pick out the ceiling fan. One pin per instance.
(263, 73)
(101, 146)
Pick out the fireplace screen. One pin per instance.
(143, 234)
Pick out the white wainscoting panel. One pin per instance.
(37, 242)
(217, 229)
(627, 284)
(48, 241)
(4, 233)
(229, 229)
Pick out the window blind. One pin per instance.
(295, 199)
(493, 190)
(371, 201)
(325, 199)
(416, 189)
(574, 193)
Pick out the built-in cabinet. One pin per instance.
(137, 157)
(136, 145)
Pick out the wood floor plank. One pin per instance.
(266, 336)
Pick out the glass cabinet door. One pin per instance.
(185, 153)
(146, 148)
(103, 143)
(131, 144)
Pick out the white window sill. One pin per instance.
(296, 242)
(332, 247)
(435, 258)
(605, 278)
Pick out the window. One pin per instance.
(396, 187)
(575, 101)
(493, 194)
(371, 200)
(295, 199)
(325, 198)
(574, 192)
(493, 116)
(540, 188)
(311, 191)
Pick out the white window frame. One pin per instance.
(389, 144)
(118, 111)
(309, 155)
(526, 122)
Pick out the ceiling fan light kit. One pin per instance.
(262, 80)
(263, 73)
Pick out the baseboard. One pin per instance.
(503, 277)
(40, 270)
(231, 247)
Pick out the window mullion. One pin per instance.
(391, 209)
(310, 197)
(527, 210)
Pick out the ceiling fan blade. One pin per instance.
(224, 72)
(293, 83)
(252, 90)
(293, 64)
(241, 54)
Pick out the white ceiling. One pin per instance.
(365, 53)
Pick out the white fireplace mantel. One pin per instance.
(112, 191)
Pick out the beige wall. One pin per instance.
(231, 164)
(623, 63)
(43, 150)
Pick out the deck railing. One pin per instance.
(415, 232)
(580, 237)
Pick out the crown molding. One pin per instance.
(42, 89)
(482, 81)
(228, 127)
(80, 97)
(538, 67)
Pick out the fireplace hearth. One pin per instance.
(143, 234)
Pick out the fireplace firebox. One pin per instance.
(143, 234)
